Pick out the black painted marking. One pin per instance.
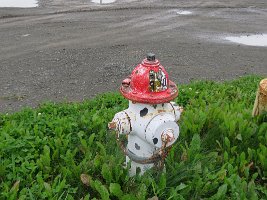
(155, 106)
(137, 146)
(138, 170)
(155, 140)
(143, 112)
(162, 104)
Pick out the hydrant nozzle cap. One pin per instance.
(151, 57)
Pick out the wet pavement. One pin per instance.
(67, 50)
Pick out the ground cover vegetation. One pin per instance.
(65, 151)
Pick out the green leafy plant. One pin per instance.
(64, 151)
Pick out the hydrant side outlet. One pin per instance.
(150, 121)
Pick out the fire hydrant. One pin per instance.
(150, 122)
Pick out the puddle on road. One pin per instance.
(250, 40)
(25, 35)
(184, 12)
(19, 3)
(103, 1)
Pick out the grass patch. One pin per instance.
(220, 154)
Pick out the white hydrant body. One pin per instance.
(148, 127)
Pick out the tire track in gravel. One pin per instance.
(119, 31)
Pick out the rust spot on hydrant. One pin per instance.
(112, 125)
(126, 82)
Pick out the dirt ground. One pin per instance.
(68, 50)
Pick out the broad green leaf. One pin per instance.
(102, 190)
(181, 186)
(106, 173)
(115, 189)
(221, 192)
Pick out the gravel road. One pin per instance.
(67, 50)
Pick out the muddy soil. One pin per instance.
(67, 50)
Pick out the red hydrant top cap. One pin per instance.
(149, 83)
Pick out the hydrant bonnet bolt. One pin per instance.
(151, 57)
